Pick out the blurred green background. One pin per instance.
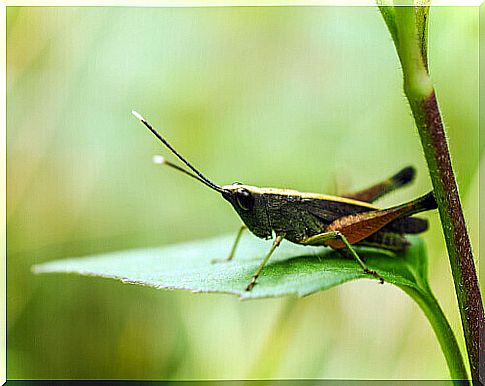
(308, 98)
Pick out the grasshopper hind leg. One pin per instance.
(321, 238)
(389, 241)
(371, 194)
(347, 255)
(359, 260)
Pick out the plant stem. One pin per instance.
(422, 99)
(442, 329)
(432, 135)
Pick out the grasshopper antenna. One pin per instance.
(198, 175)
(160, 160)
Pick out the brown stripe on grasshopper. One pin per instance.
(358, 227)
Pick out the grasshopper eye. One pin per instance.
(244, 199)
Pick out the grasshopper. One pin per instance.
(314, 219)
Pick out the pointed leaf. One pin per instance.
(292, 269)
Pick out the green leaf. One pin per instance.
(292, 269)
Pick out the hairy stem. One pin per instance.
(434, 142)
(411, 45)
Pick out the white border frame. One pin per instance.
(124, 3)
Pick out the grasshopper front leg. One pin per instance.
(234, 247)
(321, 238)
(276, 243)
(236, 242)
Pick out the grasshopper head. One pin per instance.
(250, 204)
